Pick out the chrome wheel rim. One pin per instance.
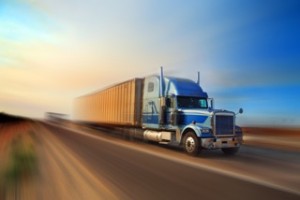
(190, 144)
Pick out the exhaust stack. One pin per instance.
(161, 83)
(162, 115)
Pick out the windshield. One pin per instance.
(192, 102)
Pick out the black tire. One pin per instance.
(230, 151)
(191, 143)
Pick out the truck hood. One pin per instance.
(201, 117)
(209, 112)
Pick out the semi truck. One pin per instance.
(168, 110)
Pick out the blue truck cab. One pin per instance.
(177, 111)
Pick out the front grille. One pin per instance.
(224, 125)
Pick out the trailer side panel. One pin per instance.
(116, 105)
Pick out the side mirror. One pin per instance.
(211, 102)
(241, 110)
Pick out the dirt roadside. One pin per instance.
(48, 171)
(273, 137)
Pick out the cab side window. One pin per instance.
(150, 87)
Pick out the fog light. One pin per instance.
(211, 146)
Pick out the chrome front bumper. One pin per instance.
(219, 143)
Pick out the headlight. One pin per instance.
(205, 130)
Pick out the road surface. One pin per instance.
(107, 167)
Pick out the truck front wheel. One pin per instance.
(191, 143)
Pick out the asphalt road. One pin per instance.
(155, 172)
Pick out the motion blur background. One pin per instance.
(248, 52)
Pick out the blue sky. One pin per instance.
(248, 52)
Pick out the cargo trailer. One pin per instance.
(116, 105)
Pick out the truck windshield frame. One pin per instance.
(185, 102)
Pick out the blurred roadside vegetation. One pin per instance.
(18, 164)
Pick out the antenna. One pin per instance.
(198, 79)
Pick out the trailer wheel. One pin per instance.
(191, 144)
(230, 151)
